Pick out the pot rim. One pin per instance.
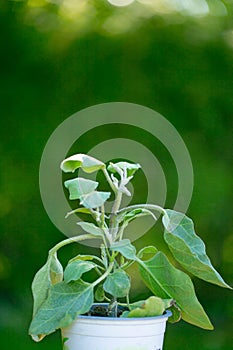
(167, 314)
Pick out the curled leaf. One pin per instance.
(83, 161)
(49, 274)
(153, 306)
(147, 252)
(176, 313)
(78, 187)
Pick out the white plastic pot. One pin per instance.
(108, 333)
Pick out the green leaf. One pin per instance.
(99, 293)
(125, 248)
(51, 273)
(78, 210)
(84, 190)
(130, 167)
(149, 250)
(76, 269)
(87, 163)
(137, 304)
(188, 249)
(91, 228)
(64, 303)
(153, 306)
(79, 186)
(94, 199)
(133, 214)
(117, 284)
(167, 282)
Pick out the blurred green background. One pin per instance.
(60, 56)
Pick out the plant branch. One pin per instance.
(108, 178)
(107, 272)
(113, 222)
(71, 240)
(127, 265)
(102, 216)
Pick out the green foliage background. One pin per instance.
(55, 62)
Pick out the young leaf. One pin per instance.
(90, 228)
(79, 186)
(133, 214)
(76, 269)
(99, 293)
(117, 284)
(64, 303)
(188, 249)
(164, 280)
(94, 199)
(130, 167)
(87, 163)
(153, 306)
(125, 248)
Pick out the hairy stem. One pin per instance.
(102, 216)
(108, 178)
(113, 225)
(71, 240)
(107, 272)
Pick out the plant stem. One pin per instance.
(113, 223)
(98, 271)
(102, 216)
(106, 246)
(127, 265)
(127, 301)
(71, 240)
(121, 231)
(108, 178)
(117, 203)
(107, 272)
(113, 307)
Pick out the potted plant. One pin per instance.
(63, 299)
